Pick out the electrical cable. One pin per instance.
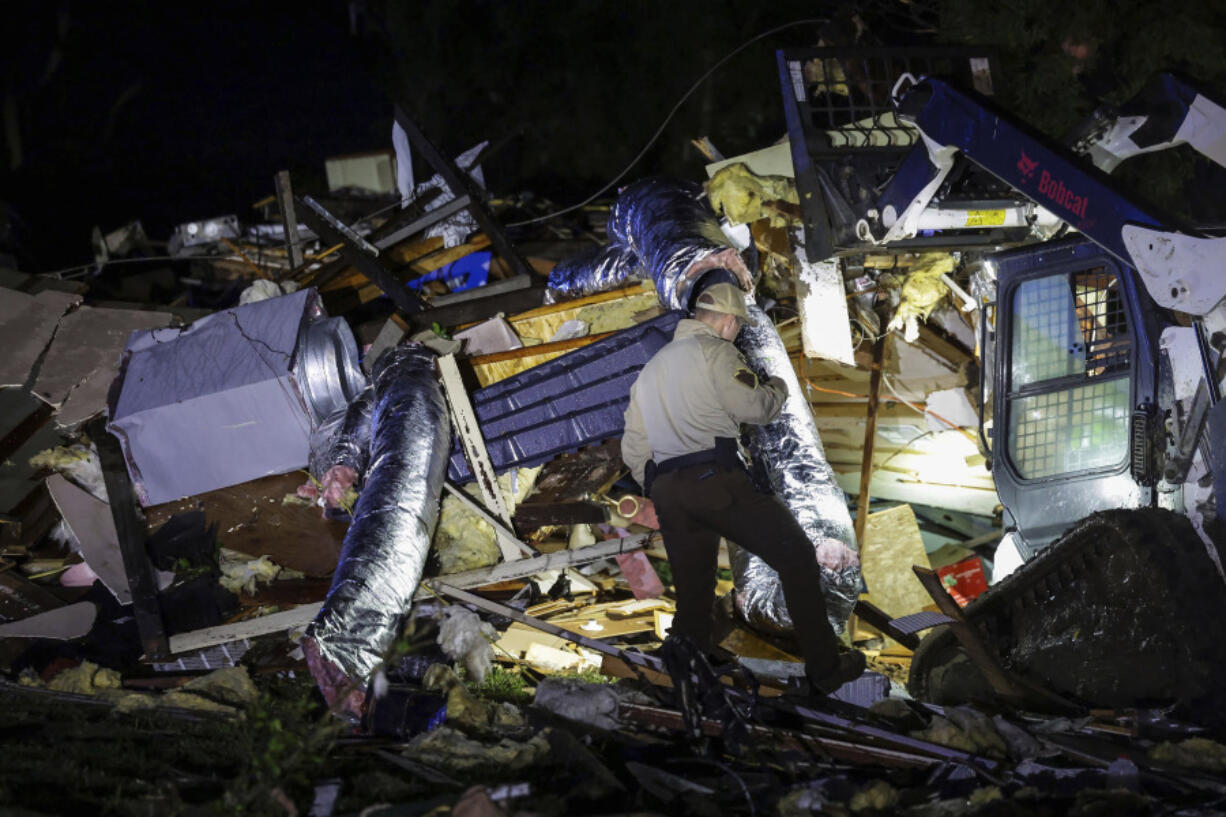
(953, 426)
(61, 272)
(903, 448)
(660, 130)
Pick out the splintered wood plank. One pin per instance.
(870, 438)
(464, 420)
(251, 518)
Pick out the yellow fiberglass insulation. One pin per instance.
(922, 290)
(462, 539)
(740, 194)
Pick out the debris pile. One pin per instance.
(364, 474)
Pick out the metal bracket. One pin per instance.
(1180, 271)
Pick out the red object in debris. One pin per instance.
(637, 569)
(964, 580)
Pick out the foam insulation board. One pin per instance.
(825, 328)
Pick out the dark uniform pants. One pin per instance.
(698, 504)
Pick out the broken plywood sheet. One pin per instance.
(892, 545)
(253, 518)
(84, 358)
(93, 525)
(27, 324)
(611, 619)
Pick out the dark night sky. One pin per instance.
(168, 112)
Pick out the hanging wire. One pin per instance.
(660, 130)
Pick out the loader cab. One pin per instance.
(1073, 387)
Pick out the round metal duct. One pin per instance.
(327, 368)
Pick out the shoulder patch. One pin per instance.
(745, 377)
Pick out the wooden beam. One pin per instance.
(464, 420)
(877, 618)
(479, 309)
(503, 571)
(431, 217)
(954, 352)
(512, 544)
(131, 529)
(558, 560)
(870, 437)
(251, 628)
(289, 219)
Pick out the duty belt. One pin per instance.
(724, 454)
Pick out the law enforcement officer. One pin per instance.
(684, 418)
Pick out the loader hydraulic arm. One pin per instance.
(1168, 112)
(1181, 271)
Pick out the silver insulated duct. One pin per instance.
(665, 226)
(661, 229)
(791, 454)
(344, 438)
(386, 546)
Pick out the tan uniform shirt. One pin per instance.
(695, 389)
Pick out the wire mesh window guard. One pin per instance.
(1069, 399)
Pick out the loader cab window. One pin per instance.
(1069, 385)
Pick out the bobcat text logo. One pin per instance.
(1053, 188)
(1026, 165)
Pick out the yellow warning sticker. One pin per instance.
(985, 218)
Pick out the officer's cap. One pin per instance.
(724, 298)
